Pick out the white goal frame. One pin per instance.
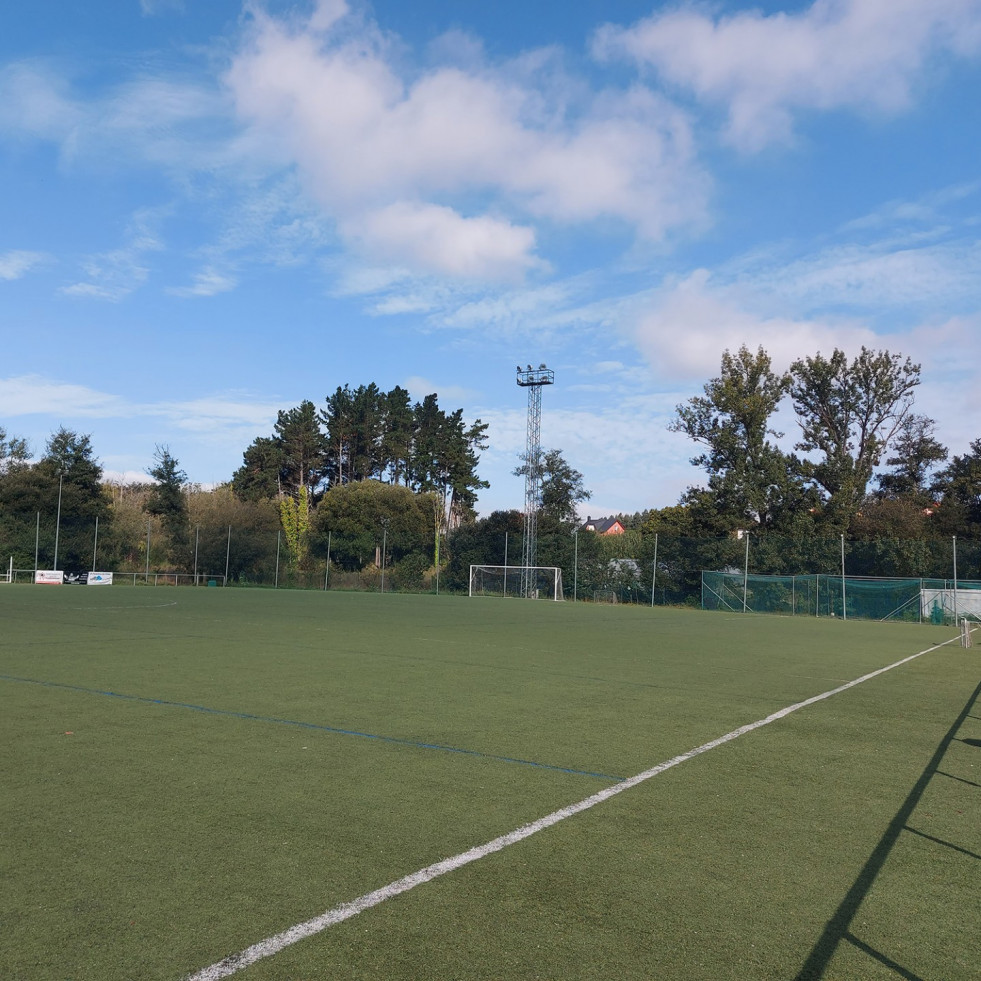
(518, 574)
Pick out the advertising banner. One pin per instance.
(48, 577)
(99, 579)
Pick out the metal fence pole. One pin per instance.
(37, 539)
(228, 554)
(955, 577)
(654, 573)
(146, 575)
(575, 566)
(58, 521)
(278, 535)
(844, 609)
(746, 572)
(95, 546)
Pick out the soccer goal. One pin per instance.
(533, 582)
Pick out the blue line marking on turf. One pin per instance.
(312, 725)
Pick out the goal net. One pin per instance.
(532, 582)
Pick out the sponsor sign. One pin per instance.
(99, 579)
(49, 577)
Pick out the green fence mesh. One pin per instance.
(916, 600)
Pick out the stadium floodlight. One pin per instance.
(533, 379)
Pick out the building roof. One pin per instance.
(604, 526)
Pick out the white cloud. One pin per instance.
(432, 238)
(115, 274)
(857, 54)
(871, 278)
(18, 262)
(24, 395)
(390, 155)
(419, 387)
(208, 282)
(687, 327)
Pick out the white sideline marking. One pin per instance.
(274, 944)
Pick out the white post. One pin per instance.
(384, 543)
(228, 553)
(276, 585)
(197, 535)
(505, 565)
(844, 608)
(146, 574)
(95, 546)
(327, 573)
(746, 572)
(654, 573)
(58, 520)
(575, 568)
(955, 577)
(37, 538)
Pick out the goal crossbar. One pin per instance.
(530, 581)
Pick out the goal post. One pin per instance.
(533, 582)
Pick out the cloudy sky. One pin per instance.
(213, 211)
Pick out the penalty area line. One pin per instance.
(273, 945)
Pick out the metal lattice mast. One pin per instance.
(533, 379)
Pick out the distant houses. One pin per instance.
(604, 526)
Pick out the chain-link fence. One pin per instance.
(848, 597)
(656, 569)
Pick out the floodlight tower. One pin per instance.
(533, 379)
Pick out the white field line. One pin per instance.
(274, 944)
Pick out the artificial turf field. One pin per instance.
(186, 772)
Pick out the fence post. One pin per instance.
(654, 573)
(844, 608)
(228, 553)
(955, 577)
(746, 572)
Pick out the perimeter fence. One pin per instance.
(804, 573)
(914, 600)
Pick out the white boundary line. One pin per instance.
(274, 944)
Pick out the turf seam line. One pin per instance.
(335, 730)
(273, 945)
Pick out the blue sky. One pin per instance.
(213, 211)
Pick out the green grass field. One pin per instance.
(187, 772)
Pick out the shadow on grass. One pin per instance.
(838, 928)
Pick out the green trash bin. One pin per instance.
(212, 582)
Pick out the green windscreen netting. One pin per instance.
(918, 600)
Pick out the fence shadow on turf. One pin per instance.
(839, 928)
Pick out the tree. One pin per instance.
(959, 487)
(562, 486)
(850, 414)
(260, 476)
(168, 502)
(751, 481)
(302, 447)
(294, 513)
(14, 452)
(360, 515)
(916, 453)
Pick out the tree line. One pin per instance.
(371, 471)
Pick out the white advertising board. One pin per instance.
(49, 577)
(99, 579)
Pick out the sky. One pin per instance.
(211, 212)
